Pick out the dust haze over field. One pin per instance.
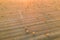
(29, 8)
(17, 14)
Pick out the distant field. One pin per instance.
(37, 15)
